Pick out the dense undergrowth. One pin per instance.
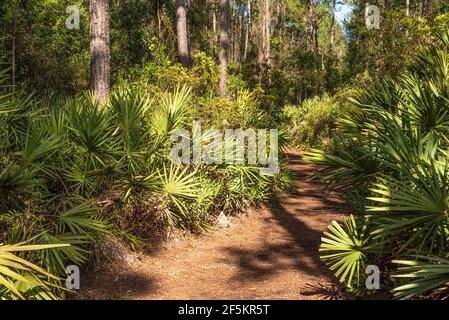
(390, 157)
(74, 173)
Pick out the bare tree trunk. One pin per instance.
(265, 49)
(100, 57)
(242, 36)
(224, 45)
(231, 39)
(181, 30)
(332, 30)
(407, 13)
(365, 44)
(158, 14)
(248, 32)
(313, 26)
(14, 41)
(262, 31)
(267, 33)
(214, 21)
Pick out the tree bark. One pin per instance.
(214, 21)
(407, 14)
(224, 46)
(14, 42)
(313, 26)
(100, 58)
(181, 30)
(242, 36)
(248, 32)
(332, 29)
(267, 49)
(158, 14)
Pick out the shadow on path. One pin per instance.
(293, 239)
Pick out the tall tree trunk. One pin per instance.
(313, 26)
(367, 4)
(243, 32)
(265, 51)
(14, 42)
(214, 21)
(407, 13)
(100, 58)
(267, 33)
(332, 29)
(248, 32)
(158, 14)
(224, 45)
(181, 30)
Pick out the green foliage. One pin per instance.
(63, 162)
(346, 249)
(160, 75)
(314, 122)
(424, 275)
(394, 149)
(21, 279)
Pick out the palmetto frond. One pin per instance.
(178, 184)
(173, 112)
(345, 249)
(419, 205)
(423, 275)
(16, 274)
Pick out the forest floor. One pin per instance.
(270, 253)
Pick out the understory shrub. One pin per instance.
(314, 122)
(393, 150)
(73, 172)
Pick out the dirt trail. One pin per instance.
(269, 254)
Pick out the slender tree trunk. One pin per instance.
(181, 29)
(214, 21)
(14, 42)
(365, 44)
(248, 32)
(262, 30)
(224, 46)
(158, 14)
(231, 39)
(242, 36)
(332, 29)
(265, 51)
(313, 26)
(99, 49)
(267, 33)
(407, 13)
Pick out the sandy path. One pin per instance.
(269, 254)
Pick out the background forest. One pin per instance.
(78, 166)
